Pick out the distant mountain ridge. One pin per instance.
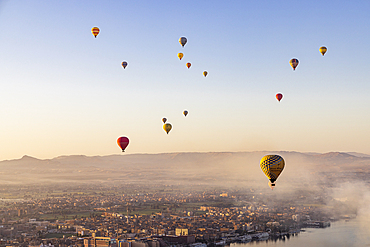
(359, 154)
(329, 154)
(220, 168)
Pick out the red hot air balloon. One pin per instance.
(279, 96)
(122, 142)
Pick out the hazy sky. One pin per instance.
(64, 92)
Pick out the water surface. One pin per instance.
(352, 233)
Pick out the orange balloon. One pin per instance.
(180, 55)
(188, 65)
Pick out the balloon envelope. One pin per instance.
(167, 127)
(124, 64)
(279, 96)
(205, 73)
(294, 63)
(323, 50)
(180, 55)
(122, 142)
(95, 31)
(188, 65)
(185, 113)
(164, 120)
(272, 166)
(183, 41)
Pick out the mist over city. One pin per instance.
(184, 124)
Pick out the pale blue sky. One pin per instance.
(64, 92)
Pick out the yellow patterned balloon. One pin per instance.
(167, 127)
(272, 166)
(323, 50)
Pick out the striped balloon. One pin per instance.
(95, 31)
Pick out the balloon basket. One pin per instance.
(271, 185)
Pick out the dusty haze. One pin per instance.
(231, 169)
(338, 180)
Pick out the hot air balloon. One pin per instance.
(124, 64)
(95, 31)
(188, 65)
(205, 73)
(272, 166)
(294, 63)
(164, 120)
(323, 50)
(183, 41)
(279, 96)
(167, 127)
(122, 142)
(180, 55)
(185, 113)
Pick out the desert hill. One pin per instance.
(213, 168)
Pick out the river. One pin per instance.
(352, 233)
